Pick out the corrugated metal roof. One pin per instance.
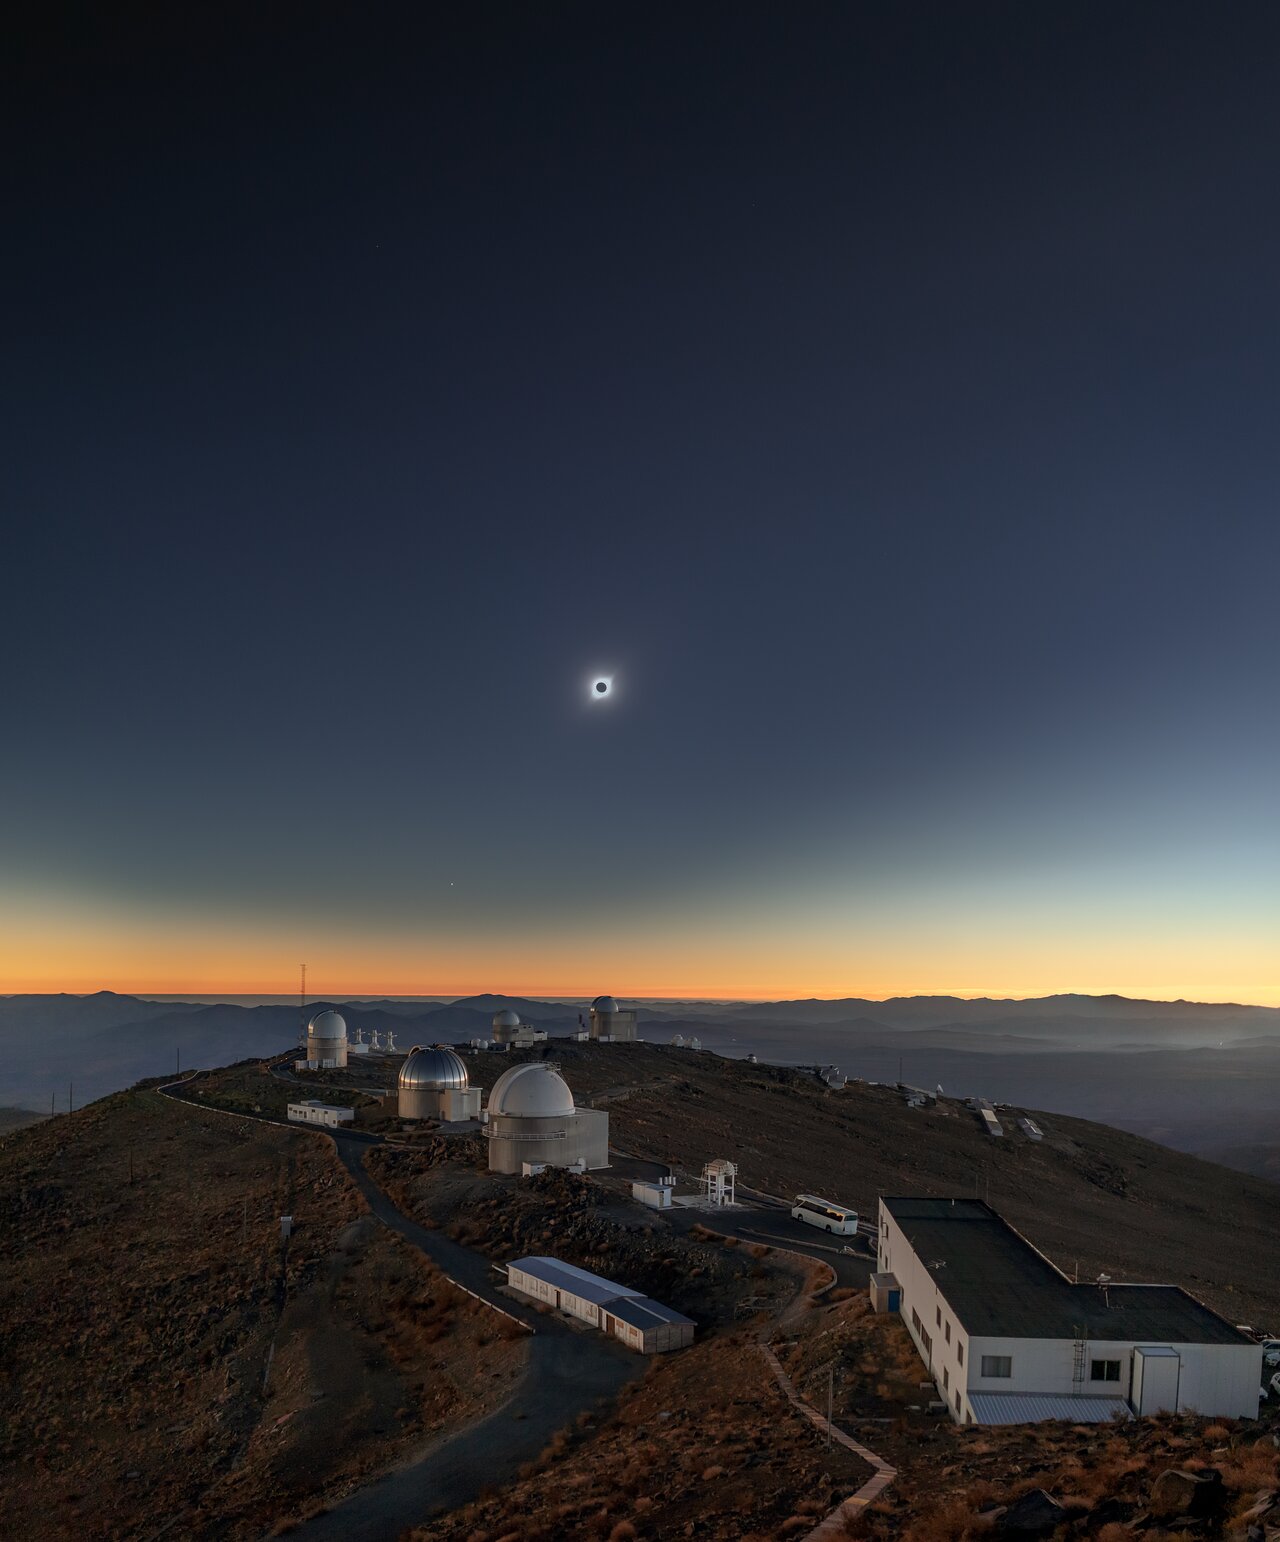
(641, 1312)
(568, 1277)
(1031, 1407)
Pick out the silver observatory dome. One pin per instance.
(506, 1018)
(437, 1069)
(604, 1004)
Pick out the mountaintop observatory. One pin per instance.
(508, 1030)
(326, 1042)
(434, 1084)
(609, 1023)
(531, 1117)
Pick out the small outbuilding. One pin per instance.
(654, 1194)
(886, 1293)
(313, 1111)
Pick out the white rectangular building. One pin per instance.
(652, 1193)
(315, 1112)
(627, 1314)
(1009, 1339)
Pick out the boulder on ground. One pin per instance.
(1177, 1492)
(1268, 1499)
(1108, 1512)
(1034, 1515)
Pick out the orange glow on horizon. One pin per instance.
(358, 988)
(52, 943)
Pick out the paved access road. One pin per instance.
(568, 1372)
(776, 1228)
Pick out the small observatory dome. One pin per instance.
(437, 1069)
(604, 1004)
(506, 1026)
(327, 1025)
(532, 1091)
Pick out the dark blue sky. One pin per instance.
(885, 395)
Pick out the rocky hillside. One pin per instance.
(1092, 1197)
(144, 1295)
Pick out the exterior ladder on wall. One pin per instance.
(1078, 1364)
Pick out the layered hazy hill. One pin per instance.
(1203, 1077)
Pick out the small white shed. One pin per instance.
(657, 1195)
(315, 1112)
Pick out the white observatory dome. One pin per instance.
(506, 1018)
(604, 1004)
(531, 1091)
(437, 1069)
(328, 1025)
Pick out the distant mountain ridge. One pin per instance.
(934, 1010)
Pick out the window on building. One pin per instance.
(1104, 1370)
(946, 1379)
(960, 1353)
(997, 1365)
(938, 1315)
(948, 1333)
(958, 1402)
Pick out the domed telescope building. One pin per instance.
(610, 1023)
(326, 1042)
(510, 1032)
(531, 1117)
(434, 1085)
(506, 1024)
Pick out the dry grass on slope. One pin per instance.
(1103, 1476)
(705, 1445)
(136, 1316)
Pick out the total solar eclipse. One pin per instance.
(602, 687)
